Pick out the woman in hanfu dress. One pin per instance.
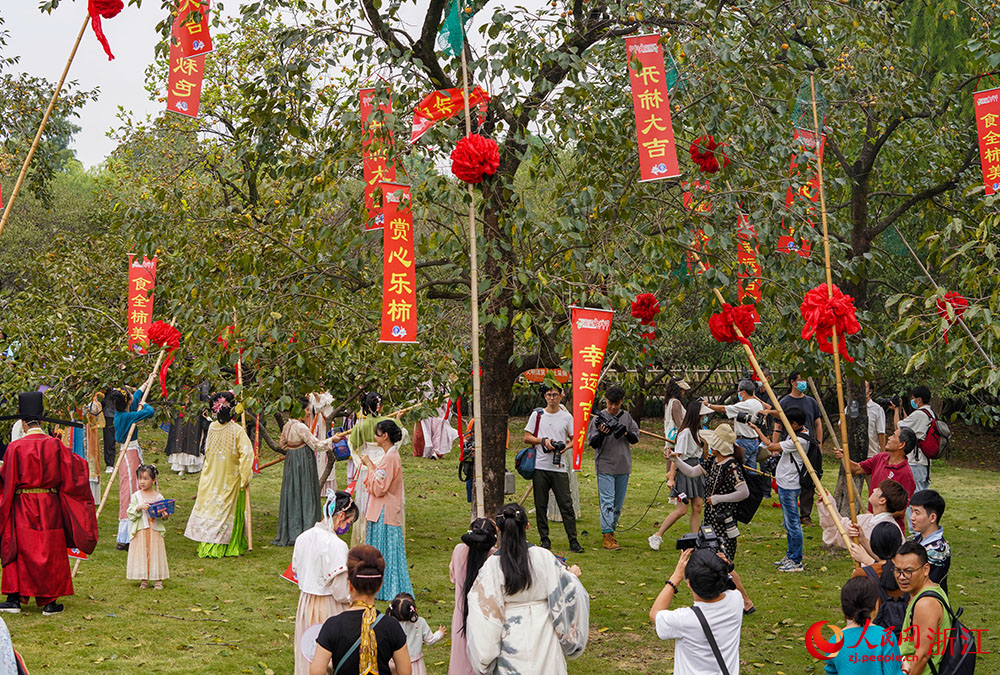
(362, 444)
(528, 612)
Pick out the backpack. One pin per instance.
(524, 461)
(937, 439)
(815, 456)
(758, 485)
(960, 651)
(891, 611)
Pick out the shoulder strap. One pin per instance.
(878, 583)
(538, 421)
(711, 639)
(354, 647)
(937, 596)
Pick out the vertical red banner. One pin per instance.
(591, 328)
(399, 278)
(376, 141)
(987, 109)
(698, 203)
(748, 267)
(141, 282)
(191, 28)
(810, 191)
(657, 152)
(184, 82)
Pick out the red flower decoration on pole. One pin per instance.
(103, 9)
(645, 308)
(474, 158)
(163, 334)
(957, 303)
(822, 314)
(742, 317)
(703, 154)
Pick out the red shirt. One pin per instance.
(880, 469)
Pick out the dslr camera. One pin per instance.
(557, 449)
(760, 419)
(606, 419)
(705, 537)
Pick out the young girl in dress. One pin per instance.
(147, 556)
(404, 610)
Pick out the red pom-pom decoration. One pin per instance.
(163, 334)
(958, 305)
(103, 9)
(822, 314)
(645, 308)
(742, 317)
(703, 153)
(474, 158)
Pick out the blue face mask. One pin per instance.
(913, 404)
(704, 420)
(802, 386)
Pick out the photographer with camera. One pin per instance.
(707, 633)
(747, 410)
(550, 430)
(611, 433)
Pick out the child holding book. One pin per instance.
(147, 556)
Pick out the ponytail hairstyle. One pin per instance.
(512, 522)
(370, 403)
(481, 538)
(858, 598)
(222, 404)
(403, 608)
(390, 429)
(148, 469)
(365, 569)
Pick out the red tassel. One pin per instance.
(164, 335)
(958, 306)
(107, 9)
(474, 158)
(823, 313)
(721, 324)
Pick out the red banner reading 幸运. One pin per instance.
(141, 282)
(399, 279)
(376, 140)
(591, 328)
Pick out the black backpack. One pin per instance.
(815, 455)
(758, 485)
(891, 611)
(960, 653)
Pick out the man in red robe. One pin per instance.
(46, 507)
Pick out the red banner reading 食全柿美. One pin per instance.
(987, 109)
(590, 329)
(141, 281)
(399, 279)
(657, 152)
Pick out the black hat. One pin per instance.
(31, 409)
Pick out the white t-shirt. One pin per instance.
(668, 417)
(692, 653)
(920, 423)
(686, 446)
(787, 471)
(557, 427)
(752, 406)
(876, 426)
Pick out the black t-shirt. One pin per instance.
(339, 633)
(807, 404)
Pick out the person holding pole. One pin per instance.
(798, 399)
(746, 409)
(128, 412)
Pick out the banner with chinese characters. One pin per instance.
(191, 29)
(987, 108)
(399, 279)
(748, 268)
(184, 82)
(440, 105)
(538, 375)
(376, 141)
(141, 281)
(657, 152)
(787, 242)
(591, 328)
(697, 203)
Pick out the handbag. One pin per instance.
(524, 461)
(341, 450)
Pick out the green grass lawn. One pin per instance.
(238, 616)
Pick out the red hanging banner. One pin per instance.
(184, 82)
(810, 191)
(399, 279)
(591, 328)
(987, 109)
(440, 105)
(376, 141)
(141, 282)
(191, 28)
(657, 152)
(700, 205)
(748, 269)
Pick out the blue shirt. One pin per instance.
(870, 656)
(125, 420)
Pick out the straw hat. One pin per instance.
(720, 439)
(682, 384)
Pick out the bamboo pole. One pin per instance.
(829, 291)
(826, 418)
(664, 438)
(247, 512)
(38, 135)
(477, 410)
(128, 441)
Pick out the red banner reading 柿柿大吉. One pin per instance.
(987, 109)
(376, 141)
(810, 191)
(399, 279)
(190, 28)
(657, 152)
(442, 104)
(590, 328)
(184, 80)
(141, 281)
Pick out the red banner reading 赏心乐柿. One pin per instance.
(184, 80)
(442, 104)
(191, 29)
(376, 141)
(141, 281)
(748, 267)
(657, 152)
(590, 328)
(987, 110)
(399, 279)
(810, 191)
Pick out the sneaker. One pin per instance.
(575, 547)
(782, 561)
(654, 541)
(52, 608)
(792, 566)
(11, 607)
(109, 469)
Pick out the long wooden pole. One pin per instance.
(247, 512)
(477, 409)
(829, 290)
(128, 441)
(38, 135)
(664, 439)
